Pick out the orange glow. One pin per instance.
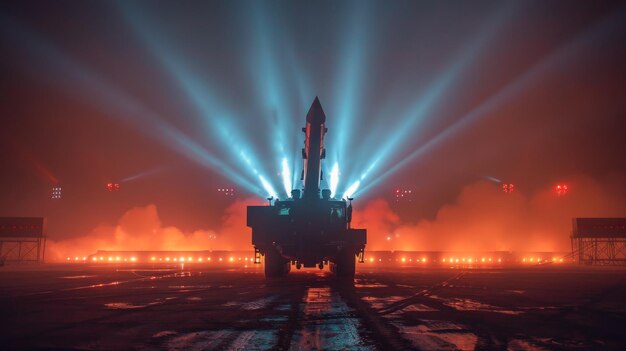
(371, 259)
(499, 260)
(200, 259)
(231, 259)
(403, 259)
(423, 259)
(483, 259)
(153, 258)
(220, 259)
(167, 259)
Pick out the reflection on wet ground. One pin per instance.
(519, 309)
(327, 323)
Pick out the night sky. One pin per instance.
(174, 100)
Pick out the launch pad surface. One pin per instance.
(188, 307)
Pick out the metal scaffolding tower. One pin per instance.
(599, 241)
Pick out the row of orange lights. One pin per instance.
(155, 259)
(538, 260)
(468, 260)
(444, 260)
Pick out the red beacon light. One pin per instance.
(561, 189)
(112, 187)
(508, 188)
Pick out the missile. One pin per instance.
(313, 151)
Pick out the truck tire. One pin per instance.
(344, 266)
(275, 264)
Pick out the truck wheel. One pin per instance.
(275, 265)
(344, 267)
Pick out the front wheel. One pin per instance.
(344, 265)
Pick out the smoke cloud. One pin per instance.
(140, 228)
(484, 218)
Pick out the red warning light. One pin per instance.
(113, 187)
(561, 189)
(508, 188)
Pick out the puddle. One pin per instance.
(418, 308)
(373, 285)
(258, 304)
(189, 286)
(78, 277)
(381, 302)
(284, 307)
(519, 345)
(438, 335)
(471, 305)
(194, 298)
(164, 333)
(274, 319)
(327, 323)
(254, 340)
(130, 306)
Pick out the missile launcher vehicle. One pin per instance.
(310, 228)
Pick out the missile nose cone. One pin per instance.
(316, 113)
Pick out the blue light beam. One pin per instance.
(558, 59)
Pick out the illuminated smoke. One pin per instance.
(483, 218)
(286, 177)
(352, 189)
(268, 187)
(140, 228)
(334, 179)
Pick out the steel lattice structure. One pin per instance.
(599, 241)
(22, 239)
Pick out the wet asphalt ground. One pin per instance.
(190, 307)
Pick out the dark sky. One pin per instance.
(177, 99)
